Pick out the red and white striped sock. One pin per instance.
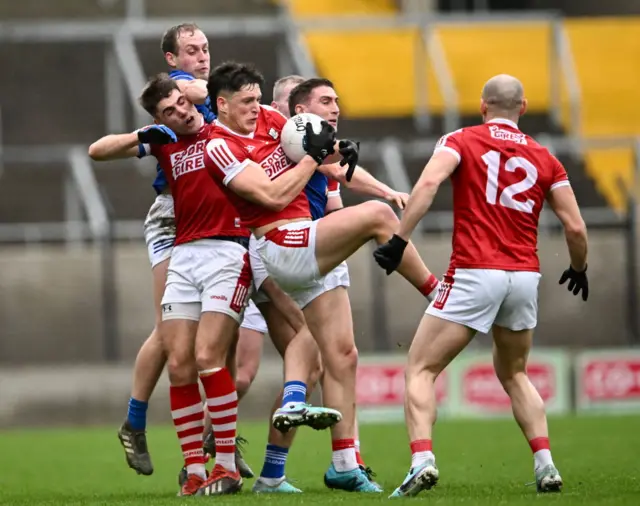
(188, 417)
(344, 455)
(421, 451)
(541, 452)
(222, 401)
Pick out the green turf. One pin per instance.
(481, 463)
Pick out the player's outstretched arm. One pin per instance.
(114, 147)
(365, 183)
(438, 169)
(565, 206)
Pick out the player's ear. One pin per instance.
(170, 58)
(483, 107)
(299, 109)
(523, 107)
(222, 104)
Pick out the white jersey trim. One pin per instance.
(225, 160)
(560, 184)
(448, 150)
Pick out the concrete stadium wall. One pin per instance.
(50, 300)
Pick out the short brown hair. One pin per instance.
(169, 43)
(301, 93)
(158, 88)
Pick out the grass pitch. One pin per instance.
(480, 462)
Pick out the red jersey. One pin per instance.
(333, 188)
(229, 153)
(203, 208)
(499, 188)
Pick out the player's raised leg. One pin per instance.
(510, 352)
(302, 362)
(436, 343)
(340, 234)
(148, 367)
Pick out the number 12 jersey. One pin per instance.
(499, 187)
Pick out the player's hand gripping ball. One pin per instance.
(298, 139)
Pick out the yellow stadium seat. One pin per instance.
(611, 169)
(476, 52)
(379, 80)
(338, 7)
(607, 57)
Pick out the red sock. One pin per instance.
(188, 417)
(344, 454)
(419, 449)
(539, 443)
(421, 445)
(429, 286)
(222, 401)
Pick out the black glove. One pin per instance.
(319, 145)
(349, 151)
(156, 134)
(389, 255)
(578, 281)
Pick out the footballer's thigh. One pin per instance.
(340, 234)
(224, 275)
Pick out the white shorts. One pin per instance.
(303, 296)
(207, 275)
(160, 229)
(478, 298)
(253, 319)
(289, 255)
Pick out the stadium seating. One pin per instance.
(607, 55)
(341, 7)
(606, 52)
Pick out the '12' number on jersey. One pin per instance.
(492, 159)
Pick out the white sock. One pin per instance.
(227, 460)
(197, 469)
(542, 458)
(272, 482)
(419, 458)
(344, 460)
(356, 444)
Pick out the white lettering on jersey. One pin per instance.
(506, 135)
(189, 160)
(276, 163)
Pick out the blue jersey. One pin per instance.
(160, 182)
(318, 191)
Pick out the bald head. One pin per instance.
(503, 95)
(281, 90)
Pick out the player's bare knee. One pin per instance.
(343, 359)
(181, 368)
(385, 221)
(243, 383)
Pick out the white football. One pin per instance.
(293, 134)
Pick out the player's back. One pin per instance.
(499, 188)
(202, 207)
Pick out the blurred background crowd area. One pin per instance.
(75, 284)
